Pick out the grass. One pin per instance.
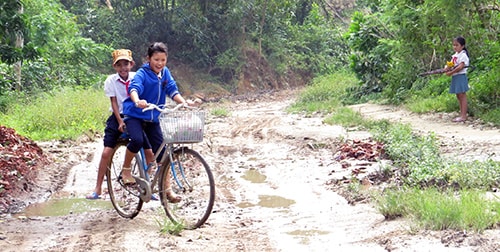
(325, 93)
(438, 210)
(441, 103)
(433, 96)
(220, 112)
(345, 117)
(166, 225)
(64, 114)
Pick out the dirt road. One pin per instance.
(272, 171)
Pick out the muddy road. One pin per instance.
(273, 172)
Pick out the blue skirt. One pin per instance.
(459, 84)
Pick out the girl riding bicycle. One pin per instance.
(151, 84)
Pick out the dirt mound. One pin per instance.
(20, 159)
(257, 74)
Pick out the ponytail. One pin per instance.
(461, 41)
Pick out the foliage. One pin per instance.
(394, 40)
(316, 46)
(14, 27)
(65, 58)
(370, 57)
(439, 210)
(68, 57)
(62, 114)
(292, 35)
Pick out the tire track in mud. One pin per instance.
(266, 139)
(277, 145)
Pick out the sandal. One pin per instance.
(172, 197)
(154, 197)
(458, 119)
(93, 196)
(128, 181)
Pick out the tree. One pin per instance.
(13, 34)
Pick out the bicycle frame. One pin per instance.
(170, 148)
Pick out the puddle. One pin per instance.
(269, 201)
(311, 232)
(245, 204)
(254, 176)
(60, 207)
(274, 201)
(304, 235)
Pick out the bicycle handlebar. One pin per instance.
(152, 106)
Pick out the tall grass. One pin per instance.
(64, 114)
(438, 210)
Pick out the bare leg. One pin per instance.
(126, 170)
(149, 155)
(462, 101)
(149, 158)
(103, 166)
(171, 196)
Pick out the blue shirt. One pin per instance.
(151, 87)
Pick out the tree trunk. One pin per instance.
(19, 44)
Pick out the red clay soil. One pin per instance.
(20, 158)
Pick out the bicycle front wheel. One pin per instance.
(125, 198)
(189, 176)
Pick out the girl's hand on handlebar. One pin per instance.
(141, 104)
(194, 103)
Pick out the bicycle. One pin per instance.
(191, 177)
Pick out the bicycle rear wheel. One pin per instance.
(192, 179)
(125, 199)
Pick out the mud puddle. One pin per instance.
(65, 206)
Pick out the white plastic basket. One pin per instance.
(183, 126)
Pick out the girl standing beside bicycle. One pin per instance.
(151, 84)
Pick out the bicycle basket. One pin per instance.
(183, 126)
